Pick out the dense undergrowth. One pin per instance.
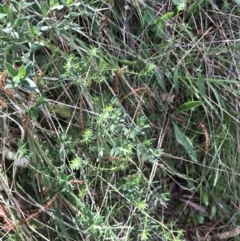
(119, 120)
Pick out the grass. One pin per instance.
(119, 120)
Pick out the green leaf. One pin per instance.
(175, 80)
(204, 197)
(11, 85)
(183, 140)
(190, 105)
(45, 28)
(237, 2)
(27, 5)
(22, 20)
(22, 72)
(10, 16)
(181, 4)
(44, 8)
(201, 86)
(62, 110)
(167, 16)
(11, 71)
(69, 2)
(148, 16)
(14, 84)
(156, 24)
(198, 4)
(198, 218)
(35, 46)
(76, 163)
(160, 78)
(58, 7)
(28, 68)
(2, 15)
(213, 211)
(30, 85)
(16, 80)
(53, 3)
(220, 104)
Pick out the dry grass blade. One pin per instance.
(225, 235)
(33, 215)
(7, 224)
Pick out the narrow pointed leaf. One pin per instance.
(190, 105)
(183, 140)
(11, 71)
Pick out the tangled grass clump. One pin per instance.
(119, 120)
